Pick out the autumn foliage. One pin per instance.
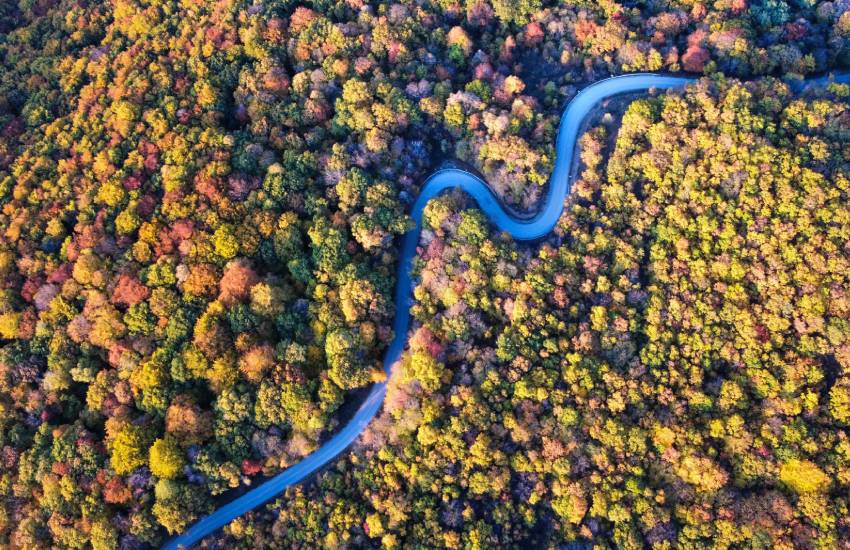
(199, 210)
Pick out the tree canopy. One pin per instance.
(199, 211)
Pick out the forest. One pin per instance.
(200, 204)
(670, 369)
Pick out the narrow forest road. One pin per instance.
(520, 229)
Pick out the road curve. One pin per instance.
(520, 229)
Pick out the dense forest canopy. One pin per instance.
(199, 205)
(670, 369)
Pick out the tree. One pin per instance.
(103, 535)
(10, 323)
(166, 458)
(839, 401)
(128, 445)
(225, 242)
(256, 362)
(803, 476)
(426, 370)
(236, 282)
(515, 12)
(346, 369)
(129, 291)
(177, 505)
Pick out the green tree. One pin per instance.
(166, 458)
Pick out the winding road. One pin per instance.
(520, 229)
